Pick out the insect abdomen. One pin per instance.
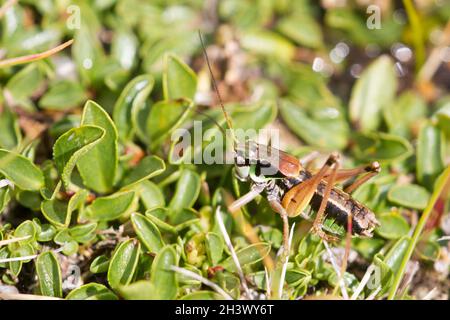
(340, 205)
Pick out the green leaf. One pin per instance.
(163, 279)
(310, 33)
(402, 116)
(443, 118)
(49, 274)
(59, 212)
(91, 291)
(409, 195)
(255, 116)
(367, 247)
(29, 199)
(155, 217)
(328, 131)
(179, 81)
(99, 265)
(373, 91)
(430, 155)
(111, 207)
(298, 277)
(4, 198)
(139, 290)
(381, 146)
(248, 255)
(165, 116)
(428, 250)
(124, 263)
(98, 166)
(83, 233)
(268, 44)
(187, 190)
(21, 171)
(63, 95)
(46, 233)
(10, 135)
(26, 229)
(73, 144)
(202, 295)
(396, 253)
(132, 97)
(393, 225)
(147, 168)
(24, 83)
(147, 233)
(150, 194)
(64, 239)
(214, 247)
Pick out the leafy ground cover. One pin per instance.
(95, 202)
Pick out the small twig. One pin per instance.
(203, 280)
(227, 239)
(22, 296)
(8, 4)
(34, 57)
(12, 240)
(285, 263)
(341, 281)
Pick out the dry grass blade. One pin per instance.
(12, 240)
(337, 270)
(21, 296)
(34, 57)
(285, 263)
(8, 4)
(26, 257)
(227, 239)
(203, 280)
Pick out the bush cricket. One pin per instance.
(292, 188)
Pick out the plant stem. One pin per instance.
(34, 57)
(441, 184)
(418, 37)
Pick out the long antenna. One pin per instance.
(227, 118)
(212, 119)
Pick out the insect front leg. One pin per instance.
(256, 189)
(277, 207)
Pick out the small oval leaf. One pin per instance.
(248, 255)
(123, 263)
(72, 145)
(21, 171)
(111, 207)
(410, 196)
(147, 233)
(91, 291)
(163, 279)
(49, 274)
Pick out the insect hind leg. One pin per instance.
(370, 170)
(320, 216)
